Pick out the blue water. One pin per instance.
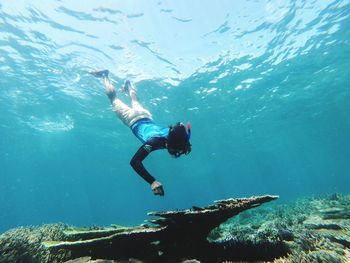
(265, 85)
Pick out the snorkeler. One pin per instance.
(153, 137)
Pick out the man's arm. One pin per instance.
(136, 163)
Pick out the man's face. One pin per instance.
(184, 149)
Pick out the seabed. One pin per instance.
(309, 230)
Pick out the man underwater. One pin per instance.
(153, 137)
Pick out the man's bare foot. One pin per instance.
(100, 73)
(126, 86)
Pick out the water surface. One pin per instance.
(265, 85)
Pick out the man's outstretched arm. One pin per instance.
(136, 163)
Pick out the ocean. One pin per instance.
(264, 84)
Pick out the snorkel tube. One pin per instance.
(188, 131)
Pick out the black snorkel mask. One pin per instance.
(179, 140)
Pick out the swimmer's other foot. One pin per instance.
(100, 73)
(126, 86)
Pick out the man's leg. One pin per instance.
(119, 107)
(136, 106)
(110, 90)
(128, 87)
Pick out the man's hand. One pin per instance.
(157, 188)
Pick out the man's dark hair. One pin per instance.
(178, 138)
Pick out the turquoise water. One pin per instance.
(264, 84)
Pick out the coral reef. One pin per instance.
(309, 230)
(24, 244)
(176, 235)
(313, 230)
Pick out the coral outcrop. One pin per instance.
(175, 236)
(309, 230)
